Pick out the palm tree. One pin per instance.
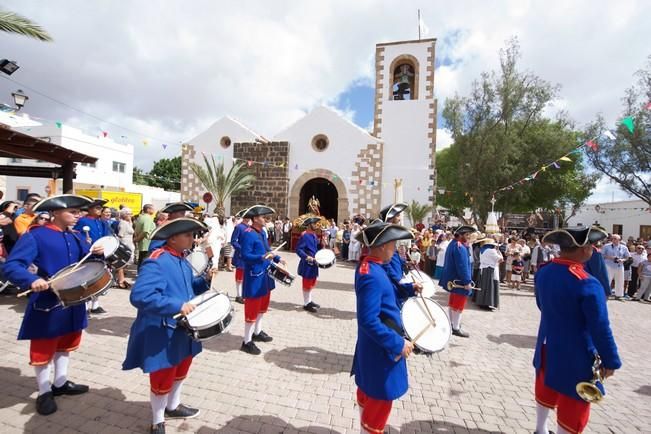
(220, 183)
(417, 212)
(13, 23)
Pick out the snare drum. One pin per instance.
(116, 254)
(212, 316)
(279, 274)
(426, 324)
(417, 276)
(325, 258)
(199, 262)
(90, 279)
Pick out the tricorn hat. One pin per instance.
(176, 207)
(257, 210)
(62, 201)
(177, 226)
(392, 210)
(577, 236)
(379, 233)
(94, 203)
(464, 229)
(311, 220)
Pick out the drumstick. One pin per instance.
(72, 270)
(426, 311)
(413, 341)
(278, 248)
(179, 315)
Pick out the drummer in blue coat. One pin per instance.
(379, 363)
(94, 227)
(164, 288)
(596, 266)
(173, 210)
(574, 329)
(397, 266)
(256, 256)
(54, 332)
(306, 248)
(458, 269)
(236, 243)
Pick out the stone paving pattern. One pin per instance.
(301, 382)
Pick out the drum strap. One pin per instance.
(391, 324)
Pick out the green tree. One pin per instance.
(166, 174)
(501, 135)
(626, 158)
(13, 23)
(139, 176)
(222, 183)
(416, 212)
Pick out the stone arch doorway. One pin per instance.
(323, 190)
(298, 207)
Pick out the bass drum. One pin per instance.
(325, 258)
(417, 276)
(426, 324)
(89, 279)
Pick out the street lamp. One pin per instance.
(19, 99)
(8, 66)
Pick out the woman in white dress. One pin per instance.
(489, 277)
(355, 247)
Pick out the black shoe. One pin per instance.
(182, 412)
(315, 304)
(69, 388)
(262, 337)
(159, 428)
(310, 307)
(460, 333)
(45, 404)
(239, 300)
(250, 348)
(97, 311)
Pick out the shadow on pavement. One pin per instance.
(223, 343)
(432, 426)
(110, 325)
(323, 312)
(263, 424)
(517, 294)
(310, 360)
(15, 303)
(17, 388)
(335, 286)
(644, 390)
(518, 341)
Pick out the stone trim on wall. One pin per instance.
(343, 206)
(368, 167)
(433, 111)
(406, 58)
(379, 90)
(190, 185)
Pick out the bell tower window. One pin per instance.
(404, 78)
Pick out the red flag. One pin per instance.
(105, 133)
(249, 163)
(648, 106)
(592, 145)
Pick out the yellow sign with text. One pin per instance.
(116, 198)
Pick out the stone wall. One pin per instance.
(270, 165)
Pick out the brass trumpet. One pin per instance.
(454, 284)
(592, 391)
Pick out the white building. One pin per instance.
(350, 170)
(629, 218)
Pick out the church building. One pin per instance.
(348, 169)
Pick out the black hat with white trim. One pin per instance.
(177, 226)
(379, 233)
(94, 203)
(465, 229)
(62, 201)
(176, 207)
(392, 211)
(257, 210)
(577, 236)
(311, 220)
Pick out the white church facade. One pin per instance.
(350, 170)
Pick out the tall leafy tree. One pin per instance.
(166, 174)
(222, 183)
(11, 22)
(625, 156)
(501, 135)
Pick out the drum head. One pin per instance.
(198, 262)
(325, 257)
(89, 271)
(109, 243)
(211, 308)
(418, 325)
(429, 288)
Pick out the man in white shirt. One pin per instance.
(614, 254)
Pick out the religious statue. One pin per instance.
(313, 206)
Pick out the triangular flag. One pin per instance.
(249, 163)
(565, 159)
(592, 145)
(628, 123)
(164, 146)
(534, 175)
(58, 124)
(610, 135)
(555, 165)
(360, 182)
(145, 142)
(542, 169)
(648, 106)
(105, 133)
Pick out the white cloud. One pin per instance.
(443, 139)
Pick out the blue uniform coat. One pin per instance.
(457, 267)
(156, 244)
(164, 284)
(50, 249)
(374, 367)
(257, 282)
(236, 242)
(596, 266)
(98, 228)
(573, 326)
(394, 270)
(307, 246)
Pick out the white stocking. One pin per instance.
(174, 398)
(43, 378)
(542, 413)
(258, 324)
(238, 288)
(307, 297)
(61, 361)
(455, 319)
(561, 430)
(248, 332)
(158, 403)
(94, 303)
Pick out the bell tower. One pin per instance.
(405, 118)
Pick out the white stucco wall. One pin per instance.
(631, 214)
